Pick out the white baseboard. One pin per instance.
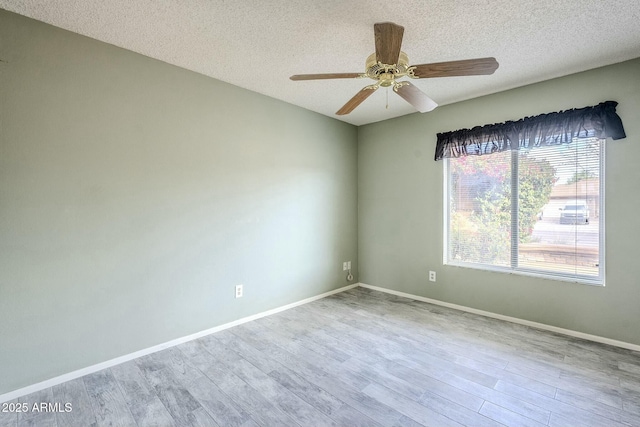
(537, 325)
(118, 360)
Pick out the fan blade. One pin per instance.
(416, 97)
(388, 42)
(364, 93)
(325, 76)
(467, 67)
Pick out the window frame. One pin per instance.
(524, 271)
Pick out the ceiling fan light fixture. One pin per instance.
(373, 68)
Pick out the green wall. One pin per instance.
(400, 199)
(134, 196)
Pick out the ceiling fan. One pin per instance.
(389, 63)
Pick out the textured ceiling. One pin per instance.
(258, 44)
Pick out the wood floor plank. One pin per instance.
(563, 420)
(378, 374)
(455, 411)
(407, 422)
(144, 404)
(308, 391)
(32, 403)
(559, 410)
(303, 339)
(363, 403)
(246, 351)
(429, 364)
(107, 401)
(268, 388)
(180, 367)
(200, 418)
(630, 384)
(632, 368)
(507, 417)
(632, 407)
(281, 397)
(250, 399)
(222, 408)
(592, 363)
(463, 334)
(521, 407)
(432, 385)
(42, 419)
(8, 415)
(522, 378)
(320, 337)
(590, 388)
(607, 411)
(217, 403)
(421, 414)
(74, 392)
(332, 384)
(174, 395)
(278, 354)
(400, 318)
(337, 410)
(584, 382)
(326, 364)
(392, 350)
(402, 372)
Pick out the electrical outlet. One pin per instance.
(345, 266)
(239, 291)
(432, 276)
(349, 265)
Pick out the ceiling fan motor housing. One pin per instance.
(386, 74)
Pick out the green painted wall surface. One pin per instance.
(400, 220)
(134, 196)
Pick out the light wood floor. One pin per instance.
(360, 358)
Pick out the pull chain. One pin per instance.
(387, 98)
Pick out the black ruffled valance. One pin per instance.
(600, 121)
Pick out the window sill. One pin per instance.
(582, 280)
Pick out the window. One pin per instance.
(527, 196)
(533, 211)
